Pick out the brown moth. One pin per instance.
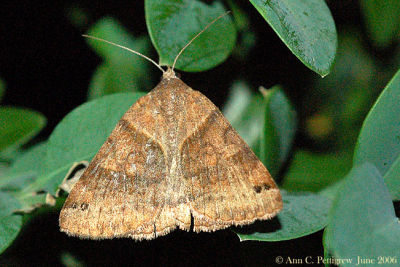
(171, 157)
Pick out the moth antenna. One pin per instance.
(126, 48)
(197, 35)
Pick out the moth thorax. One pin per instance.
(169, 74)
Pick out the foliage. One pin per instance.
(304, 214)
(300, 24)
(362, 221)
(18, 126)
(346, 185)
(209, 50)
(379, 140)
(266, 121)
(382, 20)
(120, 71)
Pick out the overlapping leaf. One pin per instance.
(10, 223)
(306, 27)
(302, 214)
(310, 171)
(362, 219)
(379, 140)
(25, 169)
(22, 174)
(267, 122)
(281, 123)
(172, 24)
(121, 70)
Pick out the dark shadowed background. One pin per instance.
(47, 66)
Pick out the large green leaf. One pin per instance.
(362, 221)
(25, 169)
(22, 174)
(382, 20)
(121, 70)
(302, 214)
(379, 140)
(267, 122)
(18, 126)
(306, 27)
(10, 223)
(172, 24)
(310, 171)
(78, 137)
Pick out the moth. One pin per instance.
(172, 161)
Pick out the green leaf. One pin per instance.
(10, 223)
(302, 214)
(78, 137)
(21, 176)
(237, 103)
(98, 86)
(310, 171)
(25, 169)
(246, 35)
(240, 17)
(379, 140)
(279, 130)
(382, 20)
(172, 24)
(246, 113)
(306, 27)
(362, 221)
(18, 126)
(392, 179)
(122, 71)
(267, 122)
(331, 190)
